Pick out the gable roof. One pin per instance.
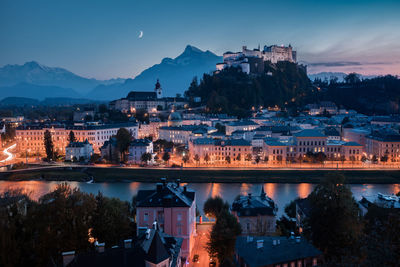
(287, 250)
(168, 195)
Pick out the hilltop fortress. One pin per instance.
(252, 61)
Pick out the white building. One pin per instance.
(78, 151)
(139, 147)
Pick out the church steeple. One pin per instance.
(158, 89)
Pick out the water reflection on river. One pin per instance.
(281, 193)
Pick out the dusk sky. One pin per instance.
(99, 39)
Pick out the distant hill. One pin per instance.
(55, 101)
(339, 75)
(18, 101)
(37, 74)
(37, 91)
(175, 75)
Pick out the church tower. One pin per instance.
(158, 90)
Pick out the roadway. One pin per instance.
(200, 243)
(10, 156)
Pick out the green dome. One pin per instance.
(175, 116)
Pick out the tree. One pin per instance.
(197, 158)
(258, 159)
(214, 206)
(71, 137)
(206, 158)
(124, 138)
(186, 158)
(166, 157)
(223, 237)
(352, 78)
(249, 157)
(146, 157)
(228, 159)
(103, 108)
(238, 157)
(111, 220)
(48, 145)
(334, 223)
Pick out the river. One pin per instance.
(282, 194)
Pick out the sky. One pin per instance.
(100, 39)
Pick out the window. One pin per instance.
(179, 217)
(146, 217)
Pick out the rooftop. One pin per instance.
(310, 133)
(284, 250)
(166, 195)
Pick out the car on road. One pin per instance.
(196, 258)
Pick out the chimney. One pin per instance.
(260, 243)
(128, 243)
(68, 257)
(100, 247)
(148, 234)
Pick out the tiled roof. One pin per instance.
(254, 206)
(156, 247)
(168, 195)
(242, 123)
(309, 133)
(286, 250)
(140, 142)
(352, 144)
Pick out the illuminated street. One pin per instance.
(199, 246)
(7, 153)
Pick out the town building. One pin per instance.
(152, 248)
(109, 151)
(30, 137)
(383, 143)
(276, 251)
(174, 209)
(380, 201)
(150, 102)
(184, 133)
(137, 148)
(256, 214)
(79, 151)
(218, 150)
(240, 126)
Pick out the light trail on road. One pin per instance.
(9, 155)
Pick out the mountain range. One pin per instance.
(33, 80)
(339, 75)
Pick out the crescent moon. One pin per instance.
(140, 34)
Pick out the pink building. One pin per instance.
(174, 209)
